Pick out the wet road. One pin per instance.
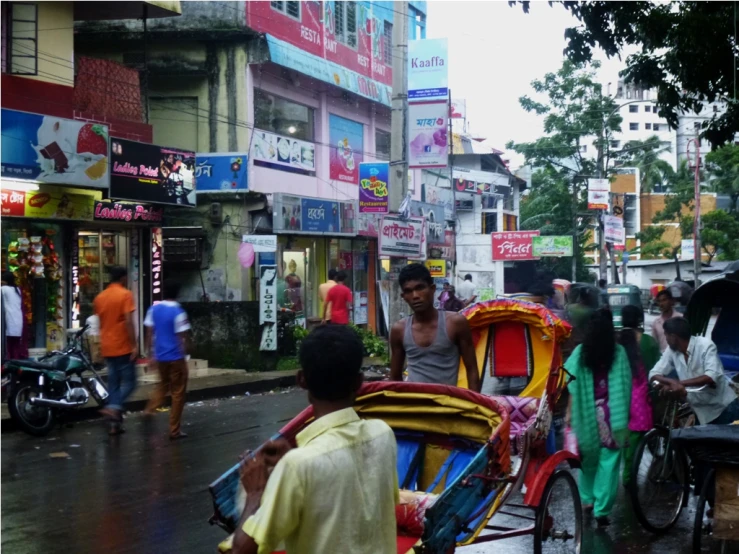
(78, 491)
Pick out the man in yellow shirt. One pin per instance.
(324, 288)
(336, 492)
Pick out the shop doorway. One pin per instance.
(297, 282)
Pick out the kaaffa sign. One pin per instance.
(428, 70)
(513, 245)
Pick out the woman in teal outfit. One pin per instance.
(598, 412)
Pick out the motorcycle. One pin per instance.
(38, 389)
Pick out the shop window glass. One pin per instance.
(283, 117)
(297, 284)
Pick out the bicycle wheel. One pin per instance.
(659, 484)
(558, 526)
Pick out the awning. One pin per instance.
(106, 11)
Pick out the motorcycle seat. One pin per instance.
(55, 365)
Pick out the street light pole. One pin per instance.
(697, 218)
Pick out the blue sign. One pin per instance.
(320, 215)
(222, 172)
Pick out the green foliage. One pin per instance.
(374, 346)
(654, 172)
(719, 234)
(299, 333)
(723, 166)
(290, 363)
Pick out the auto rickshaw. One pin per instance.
(619, 296)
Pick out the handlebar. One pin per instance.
(687, 389)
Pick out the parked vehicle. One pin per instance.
(38, 390)
(619, 296)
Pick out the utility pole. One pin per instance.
(602, 256)
(399, 122)
(697, 219)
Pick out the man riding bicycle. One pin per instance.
(696, 362)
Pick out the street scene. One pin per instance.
(368, 276)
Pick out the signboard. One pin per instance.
(320, 215)
(687, 249)
(513, 245)
(157, 289)
(49, 149)
(374, 178)
(613, 229)
(598, 194)
(150, 173)
(400, 238)
(268, 306)
(125, 212)
(440, 196)
(283, 151)
(226, 172)
(427, 135)
(368, 225)
(434, 217)
(48, 202)
(346, 138)
(261, 243)
(428, 74)
(437, 268)
(552, 246)
(301, 215)
(361, 301)
(13, 203)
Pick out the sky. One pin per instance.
(495, 51)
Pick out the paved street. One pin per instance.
(79, 491)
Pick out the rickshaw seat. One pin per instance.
(511, 350)
(522, 415)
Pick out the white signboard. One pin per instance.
(428, 74)
(614, 229)
(401, 238)
(598, 194)
(285, 151)
(360, 307)
(427, 135)
(261, 243)
(599, 184)
(268, 306)
(687, 249)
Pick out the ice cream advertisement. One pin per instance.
(427, 135)
(346, 139)
(49, 149)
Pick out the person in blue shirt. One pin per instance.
(168, 329)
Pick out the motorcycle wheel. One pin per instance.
(34, 420)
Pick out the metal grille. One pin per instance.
(387, 44)
(345, 19)
(23, 44)
(183, 251)
(293, 9)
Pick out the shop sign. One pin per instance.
(598, 193)
(435, 221)
(128, 213)
(427, 135)
(437, 268)
(157, 292)
(150, 173)
(552, 246)
(268, 306)
(480, 182)
(368, 224)
(283, 151)
(54, 150)
(301, 215)
(361, 301)
(374, 178)
(401, 238)
(613, 229)
(226, 172)
(49, 202)
(346, 141)
(513, 245)
(428, 70)
(424, 244)
(261, 243)
(13, 203)
(321, 216)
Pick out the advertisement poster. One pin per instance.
(268, 306)
(427, 135)
(283, 151)
(150, 173)
(687, 249)
(13, 202)
(157, 258)
(513, 245)
(49, 149)
(48, 202)
(373, 187)
(361, 299)
(428, 70)
(613, 229)
(552, 246)
(401, 238)
(320, 215)
(598, 193)
(127, 213)
(226, 172)
(346, 140)
(261, 243)
(437, 268)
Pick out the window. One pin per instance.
(633, 109)
(615, 144)
(387, 44)
(289, 8)
(382, 145)
(648, 126)
(633, 126)
(656, 127)
(648, 108)
(630, 214)
(20, 38)
(654, 108)
(489, 223)
(283, 117)
(345, 20)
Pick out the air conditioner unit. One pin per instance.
(465, 205)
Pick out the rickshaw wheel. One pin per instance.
(703, 541)
(558, 525)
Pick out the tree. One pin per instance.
(687, 52)
(644, 155)
(723, 167)
(719, 234)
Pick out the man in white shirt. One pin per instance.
(466, 291)
(696, 361)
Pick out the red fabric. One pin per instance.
(511, 350)
(338, 296)
(406, 543)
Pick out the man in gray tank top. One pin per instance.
(431, 340)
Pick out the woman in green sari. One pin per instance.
(598, 412)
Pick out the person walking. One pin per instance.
(666, 303)
(452, 303)
(337, 491)
(168, 330)
(431, 340)
(115, 307)
(467, 290)
(14, 347)
(643, 353)
(325, 287)
(598, 412)
(338, 302)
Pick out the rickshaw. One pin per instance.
(619, 296)
(455, 452)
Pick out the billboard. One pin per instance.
(598, 193)
(222, 172)
(428, 74)
(513, 245)
(373, 187)
(346, 138)
(552, 246)
(283, 151)
(427, 135)
(149, 173)
(49, 149)
(401, 238)
(613, 229)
